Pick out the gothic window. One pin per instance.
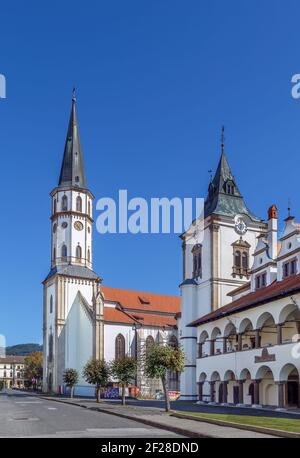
(149, 343)
(50, 352)
(240, 258)
(64, 203)
(173, 342)
(120, 347)
(64, 251)
(78, 252)
(197, 260)
(51, 304)
(78, 204)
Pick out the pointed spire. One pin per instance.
(224, 197)
(72, 169)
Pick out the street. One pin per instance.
(27, 415)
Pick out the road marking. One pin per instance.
(24, 419)
(51, 408)
(28, 402)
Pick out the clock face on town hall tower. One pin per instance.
(240, 226)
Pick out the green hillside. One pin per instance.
(23, 349)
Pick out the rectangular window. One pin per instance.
(197, 261)
(257, 282)
(264, 279)
(293, 267)
(286, 269)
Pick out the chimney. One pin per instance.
(272, 231)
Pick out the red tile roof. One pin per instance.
(12, 359)
(149, 309)
(274, 291)
(114, 315)
(130, 299)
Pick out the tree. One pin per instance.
(34, 368)
(70, 377)
(124, 370)
(159, 360)
(97, 372)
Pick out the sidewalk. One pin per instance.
(157, 418)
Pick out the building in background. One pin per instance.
(12, 371)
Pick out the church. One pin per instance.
(240, 318)
(82, 319)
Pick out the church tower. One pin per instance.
(72, 314)
(216, 263)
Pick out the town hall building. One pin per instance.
(240, 317)
(82, 319)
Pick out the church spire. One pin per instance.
(72, 170)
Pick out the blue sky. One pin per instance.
(155, 82)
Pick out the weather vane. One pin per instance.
(289, 207)
(74, 94)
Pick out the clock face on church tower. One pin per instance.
(78, 225)
(240, 226)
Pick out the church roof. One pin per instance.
(224, 197)
(72, 170)
(115, 315)
(274, 291)
(73, 271)
(131, 300)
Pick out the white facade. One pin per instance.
(205, 287)
(12, 371)
(79, 322)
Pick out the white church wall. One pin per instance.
(110, 333)
(78, 338)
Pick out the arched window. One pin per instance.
(229, 188)
(241, 258)
(120, 347)
(54, 254)
(237, 260)
(64, 251)
(197, 260)
(54, 205)
(64, 203)
(149, 343)
(173, 342)
(50, 350)
(245, 262)
(51, 304)
(88, 255)
(78, 204)
(78, 252)
(89, 207)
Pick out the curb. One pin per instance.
(257, 429)
(155, 424)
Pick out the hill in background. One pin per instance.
(23, 349)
